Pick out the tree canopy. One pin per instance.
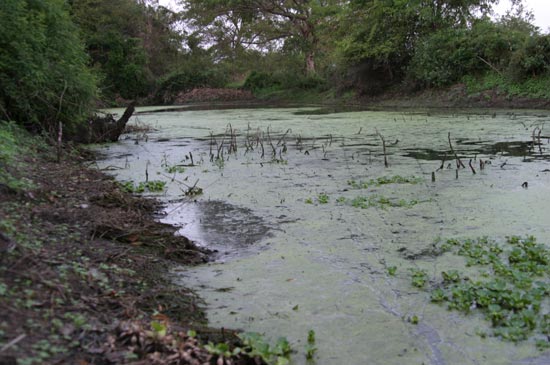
(58, 57)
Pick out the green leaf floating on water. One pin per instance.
(511, 297)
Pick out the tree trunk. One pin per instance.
(102, 129)
(310, 64)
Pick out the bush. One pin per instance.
(533, 87)
(509, 48)
(43, 66)
(444, 57)
(186, 80)
(531, 60)
(258, 80)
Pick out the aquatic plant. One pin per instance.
(322, 198)
(172, 169)
(365, 202)
(310, 346)
(255, 345)
(153, 186)
(419, 277)
(510, 286)
(384, 180)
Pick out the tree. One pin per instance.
(379, 38)
(131, 43)
(263, 24)
(43, 66)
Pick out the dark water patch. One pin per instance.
(508, 149)
(425, 154)
(122, 155)
(230, 231)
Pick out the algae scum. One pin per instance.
(386, 265)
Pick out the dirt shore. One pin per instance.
(456, 96)
(84, 273)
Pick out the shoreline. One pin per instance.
(85, 268)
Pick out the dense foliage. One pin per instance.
(56, 56)
(367, 45)
(130, 43)
(43, 67)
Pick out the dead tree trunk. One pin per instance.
(100, 129)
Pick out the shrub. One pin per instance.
(43, 69)
(186, 80)
(260, 80)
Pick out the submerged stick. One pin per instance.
(442, 162)
(282, 139)
(383, 148)
(274, 150)
(472, 167)
(458, 161)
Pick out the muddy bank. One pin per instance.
(456, 96)
(84, 273)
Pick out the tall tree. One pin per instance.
(263, 24)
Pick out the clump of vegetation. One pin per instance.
(384, 180)
(419, 277)
(379, 201)
(153, 186)
(322, 198)
(173, 169)
(44, 74)
(509, 288)
(255, 346)
(310, 346)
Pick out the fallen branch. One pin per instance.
(13, 342)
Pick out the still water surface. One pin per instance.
(287, 263)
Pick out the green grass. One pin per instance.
(536, 87)
(15, 144)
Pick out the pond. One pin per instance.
(312, 231)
